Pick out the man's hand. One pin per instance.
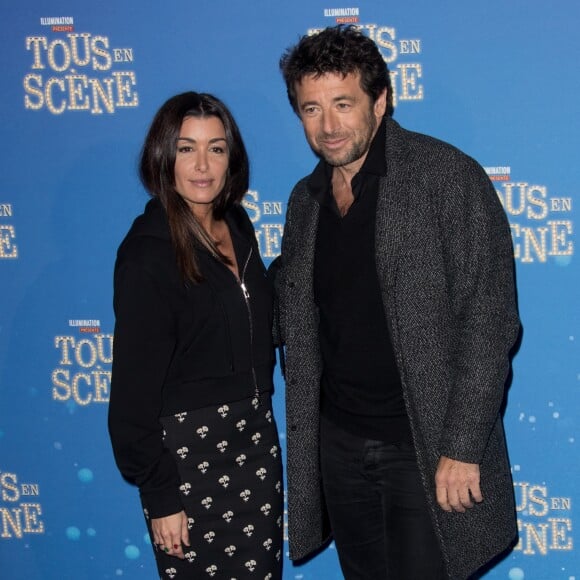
(457, 484)
(170, 532)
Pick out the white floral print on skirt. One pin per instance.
(228, 457)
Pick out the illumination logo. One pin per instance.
(342, 15)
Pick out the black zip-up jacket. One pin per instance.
(180, 347)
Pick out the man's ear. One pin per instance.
(380, 106)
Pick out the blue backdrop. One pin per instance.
(80, 83)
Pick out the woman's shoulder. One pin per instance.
(148, 236)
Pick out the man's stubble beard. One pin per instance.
(358, 149)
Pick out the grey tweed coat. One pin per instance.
(445, 266)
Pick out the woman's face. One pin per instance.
(201, 161)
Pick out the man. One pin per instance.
(398, 312)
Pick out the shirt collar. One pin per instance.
(375, 162)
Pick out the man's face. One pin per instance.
(338, 117)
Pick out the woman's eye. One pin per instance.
(218, 150)
(184, 149)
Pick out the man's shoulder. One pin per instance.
(428, 149)
(301, 191)
(427, 143)
(301, 186)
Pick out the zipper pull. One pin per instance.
(244, 290)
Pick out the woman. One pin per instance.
(190, 413)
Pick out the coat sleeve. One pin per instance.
(144, 342)
(275, 277)
(479, 267)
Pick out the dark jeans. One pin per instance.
(377, 508)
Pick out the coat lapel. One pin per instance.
(390, 225)
(304, 227)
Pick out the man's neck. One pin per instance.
(342, 189)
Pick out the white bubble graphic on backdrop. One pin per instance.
(91, 532)
(555, 414)
(516, 574)
(147, 539)
(85, 475)
(132, 552)
(57, 445)
(73, 533)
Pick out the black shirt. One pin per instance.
(361, 388)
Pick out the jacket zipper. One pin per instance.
(246, 295)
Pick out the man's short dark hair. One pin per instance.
(339, 50)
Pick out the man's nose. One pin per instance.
(329, 122)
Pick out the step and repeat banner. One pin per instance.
(80, 84)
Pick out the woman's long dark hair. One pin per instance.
(157, 172)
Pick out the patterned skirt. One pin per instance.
(229, 462)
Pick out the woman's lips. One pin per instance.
(201, 182)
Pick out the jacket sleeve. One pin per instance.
(479, 266)
(144, 342)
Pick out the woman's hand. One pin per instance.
(170, 533)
